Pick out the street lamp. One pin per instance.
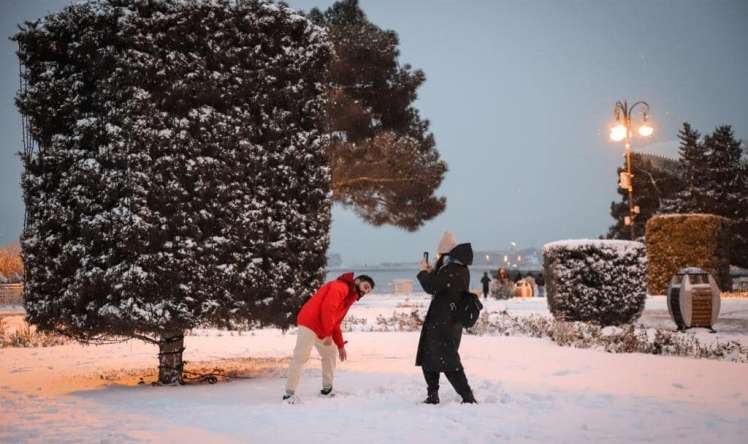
(622, 131)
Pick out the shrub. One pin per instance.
(598, 281)
(28, 336)
(624, 339)
(675, 241)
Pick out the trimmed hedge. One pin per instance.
(675, 241)
(598, 281)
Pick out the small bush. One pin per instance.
(27, 336)
(598, 281)
(676, 241)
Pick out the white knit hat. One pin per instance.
(447, 243)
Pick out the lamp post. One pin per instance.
(622, 131)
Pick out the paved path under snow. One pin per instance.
(530, 391)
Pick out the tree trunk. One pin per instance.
(170, 364)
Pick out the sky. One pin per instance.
(520, 97)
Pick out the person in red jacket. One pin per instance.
(319, 326)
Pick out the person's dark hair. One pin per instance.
(366, 278)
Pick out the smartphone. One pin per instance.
(426, 256)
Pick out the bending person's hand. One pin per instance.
(342, 353)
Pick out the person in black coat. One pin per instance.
(441, 333)
(485, 280)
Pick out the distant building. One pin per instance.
(525, 258)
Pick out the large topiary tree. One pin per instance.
(180, 177)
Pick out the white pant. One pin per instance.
(305, 338)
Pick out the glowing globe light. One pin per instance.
(646, 130)
(618, 133)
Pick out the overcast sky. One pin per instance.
(519, 95)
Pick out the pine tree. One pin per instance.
(724, 185)
(714, 176)
(181, 178)
(740, 229)
(692, 157)
(722, 181)
(384, 161)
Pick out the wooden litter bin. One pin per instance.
(693, 299)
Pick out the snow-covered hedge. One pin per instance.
(676, 241)
(599, 281)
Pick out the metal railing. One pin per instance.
(11, 294)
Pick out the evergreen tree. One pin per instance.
(692, 157)
(715, 182)
(740, 229)
(181, 178)
(383, 158)
(721, 180)
(652, 187)
(724, 186)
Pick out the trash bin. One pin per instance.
(693, 299)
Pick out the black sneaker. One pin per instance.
(327, 391)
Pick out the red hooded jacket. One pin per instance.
(324, 312)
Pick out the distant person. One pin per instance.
(504, 285)
(438, 346)
(319, 326)
(540, 282)
(529, 283)
(485, 280)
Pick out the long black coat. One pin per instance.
(441, 334)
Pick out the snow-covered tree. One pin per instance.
(385, 165)
(715, 182)
(692, 157)
(180, 178)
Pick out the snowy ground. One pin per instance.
(530, 390)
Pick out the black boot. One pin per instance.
(432, 386)
(460, 383)
(469, 399)
(432, 397)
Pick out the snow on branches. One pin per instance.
(599, 281)
(180, 178)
